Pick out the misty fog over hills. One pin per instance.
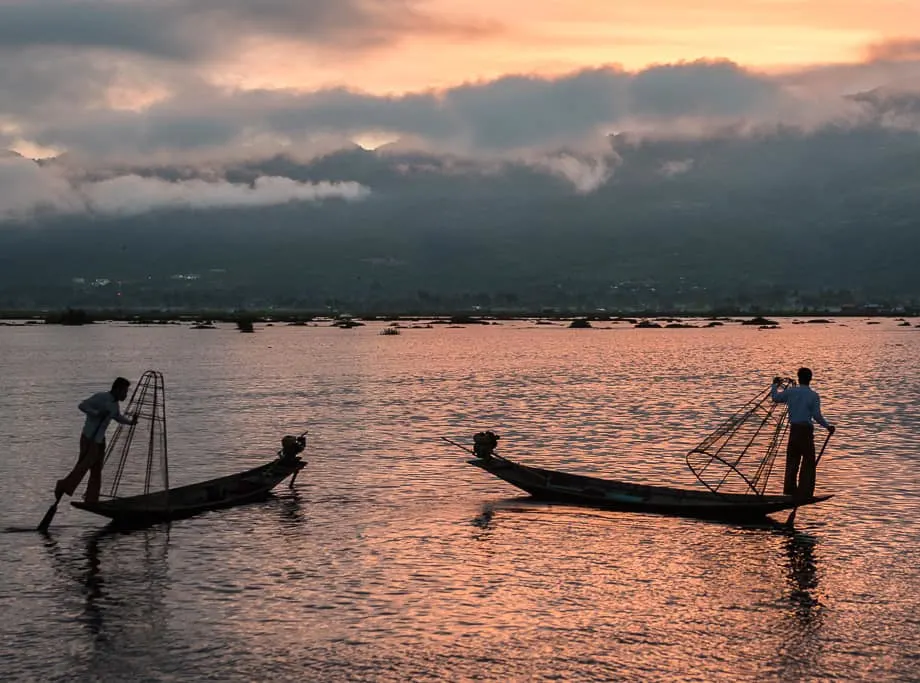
(776, 216)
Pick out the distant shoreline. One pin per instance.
(79, 316)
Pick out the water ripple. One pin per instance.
(394, 561)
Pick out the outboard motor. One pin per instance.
(292, 446)
(484, 444)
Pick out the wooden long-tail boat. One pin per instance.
(136, 465)
(734, 464)
(185, 501)
(551, 485)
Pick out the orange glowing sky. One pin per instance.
(115, 77)
(480, 40)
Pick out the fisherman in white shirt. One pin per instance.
(100, 410)
(804, 406)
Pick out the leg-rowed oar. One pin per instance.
(791, 520)
(46, 520)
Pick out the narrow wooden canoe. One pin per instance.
(224, 492)
(594, 492)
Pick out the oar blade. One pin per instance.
(49, 516)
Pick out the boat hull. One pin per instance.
(186, 501)
(576, 489)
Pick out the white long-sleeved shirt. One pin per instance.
(100, 410)
(804, 404)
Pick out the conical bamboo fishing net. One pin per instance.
(135, 460)
(739, 456)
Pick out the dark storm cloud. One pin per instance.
(133, 27)
(701, 88)
(39, 83)
(125, 131)
(519, 111)
(194, 29)
(508, 113)
(345, 111)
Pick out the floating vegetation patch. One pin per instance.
(347, 324)
(71, 316)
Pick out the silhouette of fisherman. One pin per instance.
(100, 410)
(804, 406)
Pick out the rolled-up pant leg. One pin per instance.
(90, 459)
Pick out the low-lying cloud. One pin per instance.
(676, 167)
(28, 189)
(585, 175)
(508, 115)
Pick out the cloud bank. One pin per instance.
(27, 189)
(509, 114)
(111, 82)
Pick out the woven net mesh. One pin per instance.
(135, 460)
(739, 456)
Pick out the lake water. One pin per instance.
(386, 564)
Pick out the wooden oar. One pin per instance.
(791, 520)
(46, 520)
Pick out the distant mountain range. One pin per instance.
(773, 216)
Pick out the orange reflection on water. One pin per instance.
(395, 560)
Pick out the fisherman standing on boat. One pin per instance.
(100, 410)
(804, 406)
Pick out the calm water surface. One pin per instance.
(394, 560)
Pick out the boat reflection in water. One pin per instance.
(803, 577)
(801, 649)
(759, 580)
(120, 580)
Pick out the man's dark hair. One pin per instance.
(120, 383)
(804, 376)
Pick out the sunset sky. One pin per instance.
(121, 78)
(446, 42)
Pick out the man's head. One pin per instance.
(804, 376)
(120, 388)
